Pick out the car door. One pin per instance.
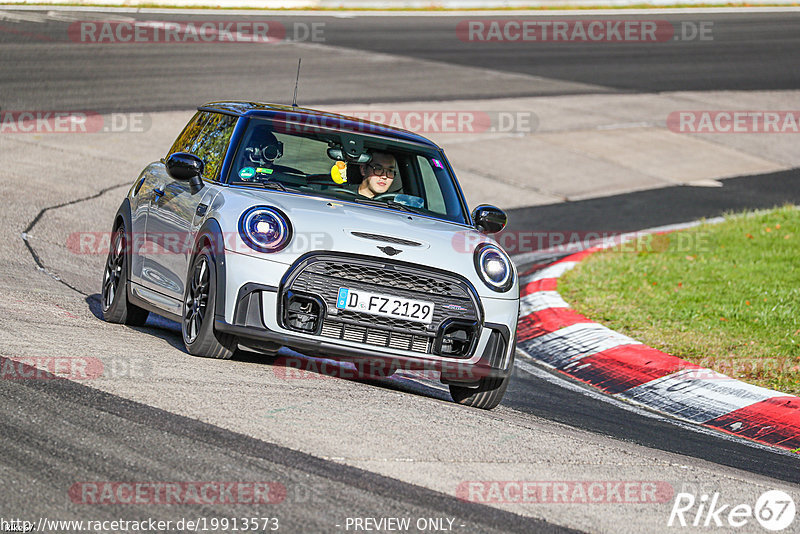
(174, 205)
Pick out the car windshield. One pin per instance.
(346, 166)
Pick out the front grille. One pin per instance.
(354, 333)
(331, 329)
(323, 275)
(387, 322)
(375, 337)
(377, 276)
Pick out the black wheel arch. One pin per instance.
(210, 234)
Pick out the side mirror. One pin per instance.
(489, 219)
(186, 167)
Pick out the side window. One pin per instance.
(206, 136)
(187, 137)
(211, 144)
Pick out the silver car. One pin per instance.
(271, 226)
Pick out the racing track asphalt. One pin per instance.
(105, 437)
(752, 51)
(112, 438)
(639, 210)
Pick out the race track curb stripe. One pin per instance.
(551, 332)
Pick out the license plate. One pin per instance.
(419, 311)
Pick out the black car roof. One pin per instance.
(313, 117)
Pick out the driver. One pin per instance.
(377, 175)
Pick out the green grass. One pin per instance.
(725, 296)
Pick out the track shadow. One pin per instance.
(291, 365)
(659, 207)
(158, 326)
(94, 303)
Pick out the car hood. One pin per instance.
(322, 224)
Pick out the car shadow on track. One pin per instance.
(290, 365)
(158, 326)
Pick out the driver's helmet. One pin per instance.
(263, 148)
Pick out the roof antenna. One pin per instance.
(296, 83)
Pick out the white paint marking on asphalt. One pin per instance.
(698, 395)
(12, 16)
(575, 342)
(627, 125)
(53, 15)
(540, 300)
(704, 183)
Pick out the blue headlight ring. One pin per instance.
(480, 253)
(278, 215)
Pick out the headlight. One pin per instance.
(265, 229)
(494, 267)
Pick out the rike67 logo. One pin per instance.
(774, 510)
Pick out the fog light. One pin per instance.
(301, 312)
(455, 338)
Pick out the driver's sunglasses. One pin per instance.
(379, 170)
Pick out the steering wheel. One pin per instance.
(346, 192)
(385, 197)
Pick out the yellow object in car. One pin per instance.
(339, 172)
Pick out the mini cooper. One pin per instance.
(269, 226)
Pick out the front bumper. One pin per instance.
(251, 314)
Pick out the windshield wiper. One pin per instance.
(262, 185)
(402, 206)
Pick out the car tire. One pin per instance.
(114, 292)
(490, 391)
(486, 396)
(197, 324)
